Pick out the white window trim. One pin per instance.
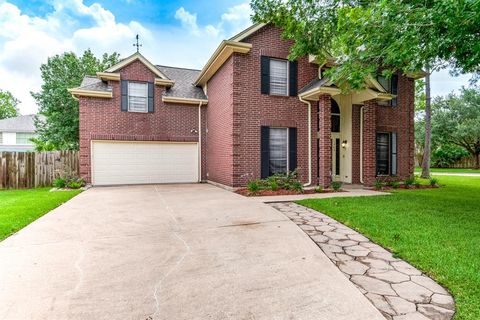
(146, 97)
(288, 79)
(288, 146)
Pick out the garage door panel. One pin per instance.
(139, 163)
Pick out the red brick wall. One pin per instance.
(251, 109)
(400, 119)
(220, 125)
(324, 140)
(102, 119)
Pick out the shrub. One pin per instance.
(416, 183)
(273, 185)
(409, 182)
(336, 185)
(318, 189)
(253, 187)
(378, 185)
(59, 183)
(296, 186)
(75, 184)
(433, 182)
(395, 184)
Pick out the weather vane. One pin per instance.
(137, 44)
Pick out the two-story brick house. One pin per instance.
(247, 114)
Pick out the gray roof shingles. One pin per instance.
(315, 84)
(184, 79)
(18, 124)
(183, 88)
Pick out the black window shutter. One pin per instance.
(394, 89)
(393, 155)
(124, 94)
(292, 149)
(265, 152)
(265, 76)
(150, 97)
(292, 85)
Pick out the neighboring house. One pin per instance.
(16, 132)
(254, 113)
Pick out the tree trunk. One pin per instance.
(428, 127)
(477, 161)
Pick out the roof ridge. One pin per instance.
(161, 65)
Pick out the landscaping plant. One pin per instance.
(253, 187)
(336, 185)
(433, 182)
(378, 184)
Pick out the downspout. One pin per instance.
(309, 141)
(200, 142)
(361, 144)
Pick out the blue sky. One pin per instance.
(178, 33)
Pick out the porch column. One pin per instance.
(369, 142)
(324, 141)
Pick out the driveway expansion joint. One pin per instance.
(396, 288)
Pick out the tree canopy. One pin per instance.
(8, 105)
(399, 35)
(456, 120)
(61, 72)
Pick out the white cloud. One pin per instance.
(27, 41)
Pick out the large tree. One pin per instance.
(8, 105)
(456, 120)
(61, 72)
(397, 35)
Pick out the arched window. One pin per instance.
(335, 116)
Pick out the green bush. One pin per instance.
(416, 183)
(378, 184)
(433, 182)
(59, 183)
(395, 184)
(447, 154)
(336, 185)
(253, 187)
(296, 186)
(273, 185)
(318, 189)
(409, 182)
(75, 184)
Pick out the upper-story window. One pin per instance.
(24, 138)
(279, 77)
(390, 86)
(137, 97)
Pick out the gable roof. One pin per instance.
(184, 79)
(247, 32)
(134, 57)
(19, 124)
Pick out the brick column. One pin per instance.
(324, 141)
(369, 142)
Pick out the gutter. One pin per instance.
(309, 140)
(361, 144)
(200, 141)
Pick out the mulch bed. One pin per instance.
(280, 192)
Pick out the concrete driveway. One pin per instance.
(170, 252)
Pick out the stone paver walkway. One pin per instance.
(396, 288)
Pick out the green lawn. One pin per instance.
(450, 170)
(437, 230)
(19, 208)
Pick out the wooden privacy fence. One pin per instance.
(35, 169)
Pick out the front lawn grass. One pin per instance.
(437, 230)
(19, 208)
(450, 170)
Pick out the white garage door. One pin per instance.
(143, 162)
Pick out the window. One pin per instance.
(1, 138)
(279, 77)
(137, 97)
(24, 138)
(390, 85)
(278, 148)
(386, 153)
(335, 116)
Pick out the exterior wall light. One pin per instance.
(344, 144)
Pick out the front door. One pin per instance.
(336, 149)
